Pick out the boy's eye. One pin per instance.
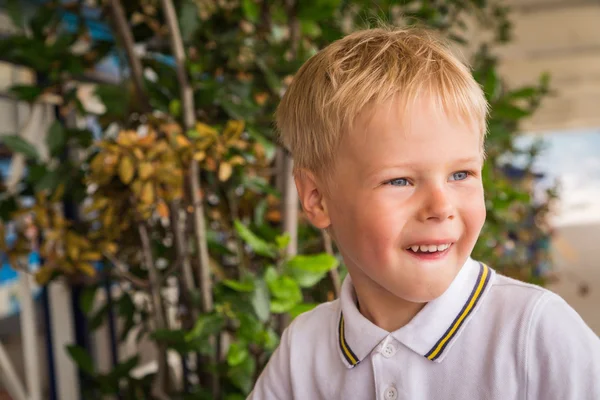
(398, 182)
(459, 176)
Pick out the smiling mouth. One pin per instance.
(427, 249)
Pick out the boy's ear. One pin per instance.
(312, 199)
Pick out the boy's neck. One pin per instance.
(382, 308)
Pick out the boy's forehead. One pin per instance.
(407, 118)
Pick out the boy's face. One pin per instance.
(398, 186)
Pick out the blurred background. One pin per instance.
(151, 241)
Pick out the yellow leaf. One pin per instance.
(110, 248)
(138, 153)
(148, 140)
(170, 128)
(237, 160)
(126, 170)
(147, 195)
(225, 171)
(199, 156)
(87, 268)
(91, 256)
(43, 275)
(97, 164)
(163, 209)
(233, 129)
(181, 141)
(127, 138)
(261, 98)
(108, 217)
(205, 130)
(145, 170)
(73, 251)
(136, 187)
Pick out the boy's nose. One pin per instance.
(437, 205)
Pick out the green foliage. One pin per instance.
(239, 62)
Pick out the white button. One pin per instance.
(390, 393)
(388, 350)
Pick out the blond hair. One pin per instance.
(369, 67)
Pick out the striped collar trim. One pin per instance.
(431, 333)
(347, 352)
(476, 294)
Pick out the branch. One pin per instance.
(290, 195)
(159, 312)
(124, 33)
(187, 100)
(187, 94)
(178, 225)
(121, 270)
(189, 120)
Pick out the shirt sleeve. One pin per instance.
(562, 354)
(274, 383)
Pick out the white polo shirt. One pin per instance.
(486, 337)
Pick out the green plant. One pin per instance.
(183, 192)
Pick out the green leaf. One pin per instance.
(302, 308)
(237, 354)
(308, 270)
(261, 300)
(15, 12)
(123, 369)
(242, 375)
(268, 145)
(492, 85)
(282, 241)
(257, 244)
(509, 111)
(245, 286)
(56, 139)
(273, 81)
(286, 293)
(251, 10)
(317, 9)
(49, 181)
(7, 207)
(206, 325)
(86, 301)
(96, 320)
(28, 93)
(19, 145)
(168, 336)
(115, 99)
(526, 92)
(188, 19)
(81, 358)
(310, 28)
(175, 111)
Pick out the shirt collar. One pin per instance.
(430, 333)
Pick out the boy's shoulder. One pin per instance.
(318, 319)
(520, 297)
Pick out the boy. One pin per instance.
(386, 128)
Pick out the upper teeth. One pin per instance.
(430, 248)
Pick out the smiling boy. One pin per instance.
(387, 129)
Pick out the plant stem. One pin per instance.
(124, 33)
(189, 120)
(157, 304)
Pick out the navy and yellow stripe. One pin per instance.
(476, 293)
(346, 351)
